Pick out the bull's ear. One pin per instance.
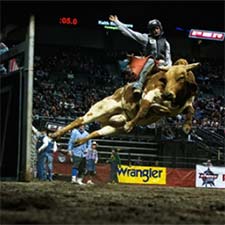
(192, 83)
(193, 88)
(192, 66)
(163, 68)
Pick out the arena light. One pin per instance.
(180, 29)
(205, 34)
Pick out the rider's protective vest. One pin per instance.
(156, 48)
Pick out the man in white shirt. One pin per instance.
(45, 148)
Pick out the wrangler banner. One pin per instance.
(141, 175)
(210, 177)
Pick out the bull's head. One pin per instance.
(180, 83)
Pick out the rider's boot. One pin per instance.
(138, 85)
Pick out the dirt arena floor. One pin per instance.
(61, 202)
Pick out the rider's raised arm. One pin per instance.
(137, 36)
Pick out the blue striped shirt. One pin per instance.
(92, 154)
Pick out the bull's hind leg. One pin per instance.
(105, 107)
(107, 130)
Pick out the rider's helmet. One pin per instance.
(154, 23)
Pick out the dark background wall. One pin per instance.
(208, 15)
(101, 38)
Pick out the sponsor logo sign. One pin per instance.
(111, 25)
(210, 177)
(141, 175)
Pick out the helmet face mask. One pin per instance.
(156, 31)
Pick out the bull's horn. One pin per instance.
(164, 68)
(192, 66)
(130, 55)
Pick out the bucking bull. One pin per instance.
(166, 93)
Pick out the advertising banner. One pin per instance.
(141, 175)
(206, 34)
(210, 177)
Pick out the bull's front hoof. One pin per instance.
(186, 128)
(128, 127)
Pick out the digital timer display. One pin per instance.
(68, 21)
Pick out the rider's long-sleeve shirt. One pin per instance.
(156, 47)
